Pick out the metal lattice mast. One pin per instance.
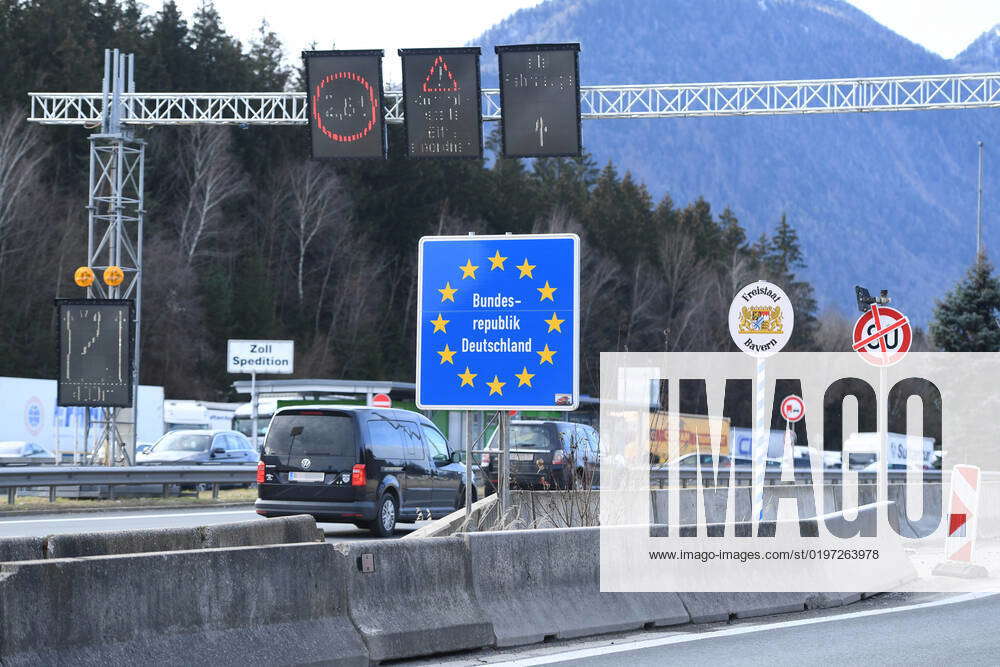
(114, 226)
(749, 98)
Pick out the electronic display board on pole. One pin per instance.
(540, 100)
(344, 103)
(442, 104)
(96, 340)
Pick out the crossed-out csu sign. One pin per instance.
(499, 322)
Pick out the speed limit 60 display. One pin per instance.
(344, 98)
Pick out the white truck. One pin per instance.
(862, 450)
(185, 415)
(242, 418)
(28, 413)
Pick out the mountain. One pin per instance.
(983, 55)
(885, 200)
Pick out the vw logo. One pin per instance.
(306, 463)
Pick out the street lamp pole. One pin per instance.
(979, 209)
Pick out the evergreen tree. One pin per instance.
(781, 258)
(966, 319)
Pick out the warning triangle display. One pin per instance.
(439, 78)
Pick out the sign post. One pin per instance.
(498, 325)
(882, 336)
(793, 409)
(761, 319)
(259, 356)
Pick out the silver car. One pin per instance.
(21, 453)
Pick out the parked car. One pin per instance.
(199, 446)
(18, 452)
(704, 460)
(372, 467)
(546, 455)
(742, 462)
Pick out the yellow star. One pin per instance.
(497, 261)
(525, 269)
(524, 377)
(449, 355)
(547, 291)
(545, 355)
(496, 387)
(469, 270)
(555, 324)
(467, 377)
(440, 322)
(448, 293)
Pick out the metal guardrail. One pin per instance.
(56, 476)
(743, 475)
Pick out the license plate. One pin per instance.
(305, 477)
(522, 457)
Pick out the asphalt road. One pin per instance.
(953, 630)
(78, 522)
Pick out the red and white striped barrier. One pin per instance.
(963, 514)
(963, 519)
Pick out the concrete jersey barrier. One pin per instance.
(77, 545)
(281, 530)
(412, 597)
(21, 548)
(284, 530)
(539, 583)
(264, 605)
(346, 603)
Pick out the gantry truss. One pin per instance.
(950, 91)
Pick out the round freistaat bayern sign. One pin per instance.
(761, 319)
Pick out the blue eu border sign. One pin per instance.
(499, 322)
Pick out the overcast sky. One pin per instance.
(943, 26)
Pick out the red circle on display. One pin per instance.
(792, 408)
(372, 104)
(882, 336)
(381, 401)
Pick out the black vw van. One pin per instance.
(348, 464)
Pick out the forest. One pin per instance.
(248, 237)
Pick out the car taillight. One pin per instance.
(484, 459)
(358, 475)
(558, 457)
(260, 472)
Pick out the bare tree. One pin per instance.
(833, 333)
(599, 274)
(318, 200)
(21, 155)
(174, 329)
(687, 286)
(212, 177)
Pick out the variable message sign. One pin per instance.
(498, 322)
(442, 104)
(540, 100)
(95, 352)
(344, 96)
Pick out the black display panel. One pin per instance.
(96, 339)
(540, 100)
(442, 104)
(344, 99)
